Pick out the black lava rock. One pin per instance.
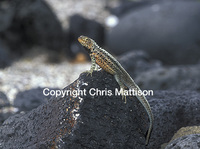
(5, 58)
(186, 142)
(30, 99)
(83, 121)
(4, 102)
(176, 77)
(100, 121)
(29, 22)
(4, 107)
(192, 84)
(172, 111)
(167, 30)
(136, 62)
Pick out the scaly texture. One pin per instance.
(107, 62)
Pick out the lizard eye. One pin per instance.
(87, 40)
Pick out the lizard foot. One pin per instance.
(123, 94)
(88, 72)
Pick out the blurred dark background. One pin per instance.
(167, 30)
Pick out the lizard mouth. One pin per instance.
(80, 39)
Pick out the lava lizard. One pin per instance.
(107, 62)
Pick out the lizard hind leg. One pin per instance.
(122, 92)
(122, 87)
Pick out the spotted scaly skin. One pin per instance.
(107, 62)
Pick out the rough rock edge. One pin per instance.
(52, 125)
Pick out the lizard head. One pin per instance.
(87, 42)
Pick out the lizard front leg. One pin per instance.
(122, 86)
(93, 66)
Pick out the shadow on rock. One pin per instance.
(30, 99)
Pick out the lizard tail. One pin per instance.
(147, 107)
(149, 133)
